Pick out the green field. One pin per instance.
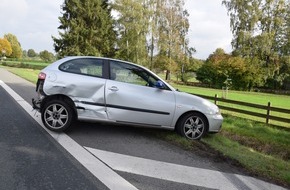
(25, 64)
(28, 74)
(280, 101)
(28, 62)
(259, 148)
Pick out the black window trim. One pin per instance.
(104, 76)
(127, 63)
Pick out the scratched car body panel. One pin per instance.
(103, 89)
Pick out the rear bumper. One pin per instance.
(36, 104)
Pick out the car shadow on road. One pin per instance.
(150, 143)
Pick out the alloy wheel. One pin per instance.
(56, 116)
(194, 127)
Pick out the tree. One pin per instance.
(24, 53)
(46, 56)
(286, 43)
(87, 29)
(172, 30)
(214, 71)
(188, 64)
(132, 30)
(206, 74)
(150, 30)
(15, 45)
(31, 53)
(219, 68)
(5, 47)
(153, 17)
(261, 31)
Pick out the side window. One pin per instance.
(85, 66)
(131, 74)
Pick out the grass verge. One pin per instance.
(28, 74)
(260, 164)
(260, 149)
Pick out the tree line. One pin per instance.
(153, 33)
(10, 47)
(148, 32)
(261, 47)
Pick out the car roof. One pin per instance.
(56, 64)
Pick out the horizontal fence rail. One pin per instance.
(268, 108)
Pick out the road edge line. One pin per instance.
(101, 171)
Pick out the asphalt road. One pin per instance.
(31, 159)
(34, 160)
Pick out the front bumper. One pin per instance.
(215, 123)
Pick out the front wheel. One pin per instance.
(192, 126)
(57, 115)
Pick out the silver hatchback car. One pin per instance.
(109, 90)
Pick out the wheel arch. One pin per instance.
(192, 111)
(61, 97)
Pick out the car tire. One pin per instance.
(57, 115)
(192, 125)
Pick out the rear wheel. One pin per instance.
(192, 126)
(57, 115)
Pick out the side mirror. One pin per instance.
(159, 84)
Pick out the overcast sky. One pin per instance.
(35, 21)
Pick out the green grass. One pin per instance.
(28, 74)
(28, 62)
(258, 163)
(260, 149)
(24, 64)
(258, 136)
(282, 101)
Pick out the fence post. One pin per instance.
(215, 99)
(268, 112)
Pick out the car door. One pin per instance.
(83, 80)
(132, 97)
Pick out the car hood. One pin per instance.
(195, 103)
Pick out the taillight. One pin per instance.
(41, 76)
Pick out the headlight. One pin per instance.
(218, 112)
(212, 108)
(215, 111)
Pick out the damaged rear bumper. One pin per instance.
(36, 104)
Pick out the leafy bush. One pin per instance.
(222, 69)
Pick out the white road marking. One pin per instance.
(105, 174)
(179, 173)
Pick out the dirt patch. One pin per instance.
(266, 148)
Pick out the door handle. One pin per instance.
(113, 88)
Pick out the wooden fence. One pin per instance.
(268, 108)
